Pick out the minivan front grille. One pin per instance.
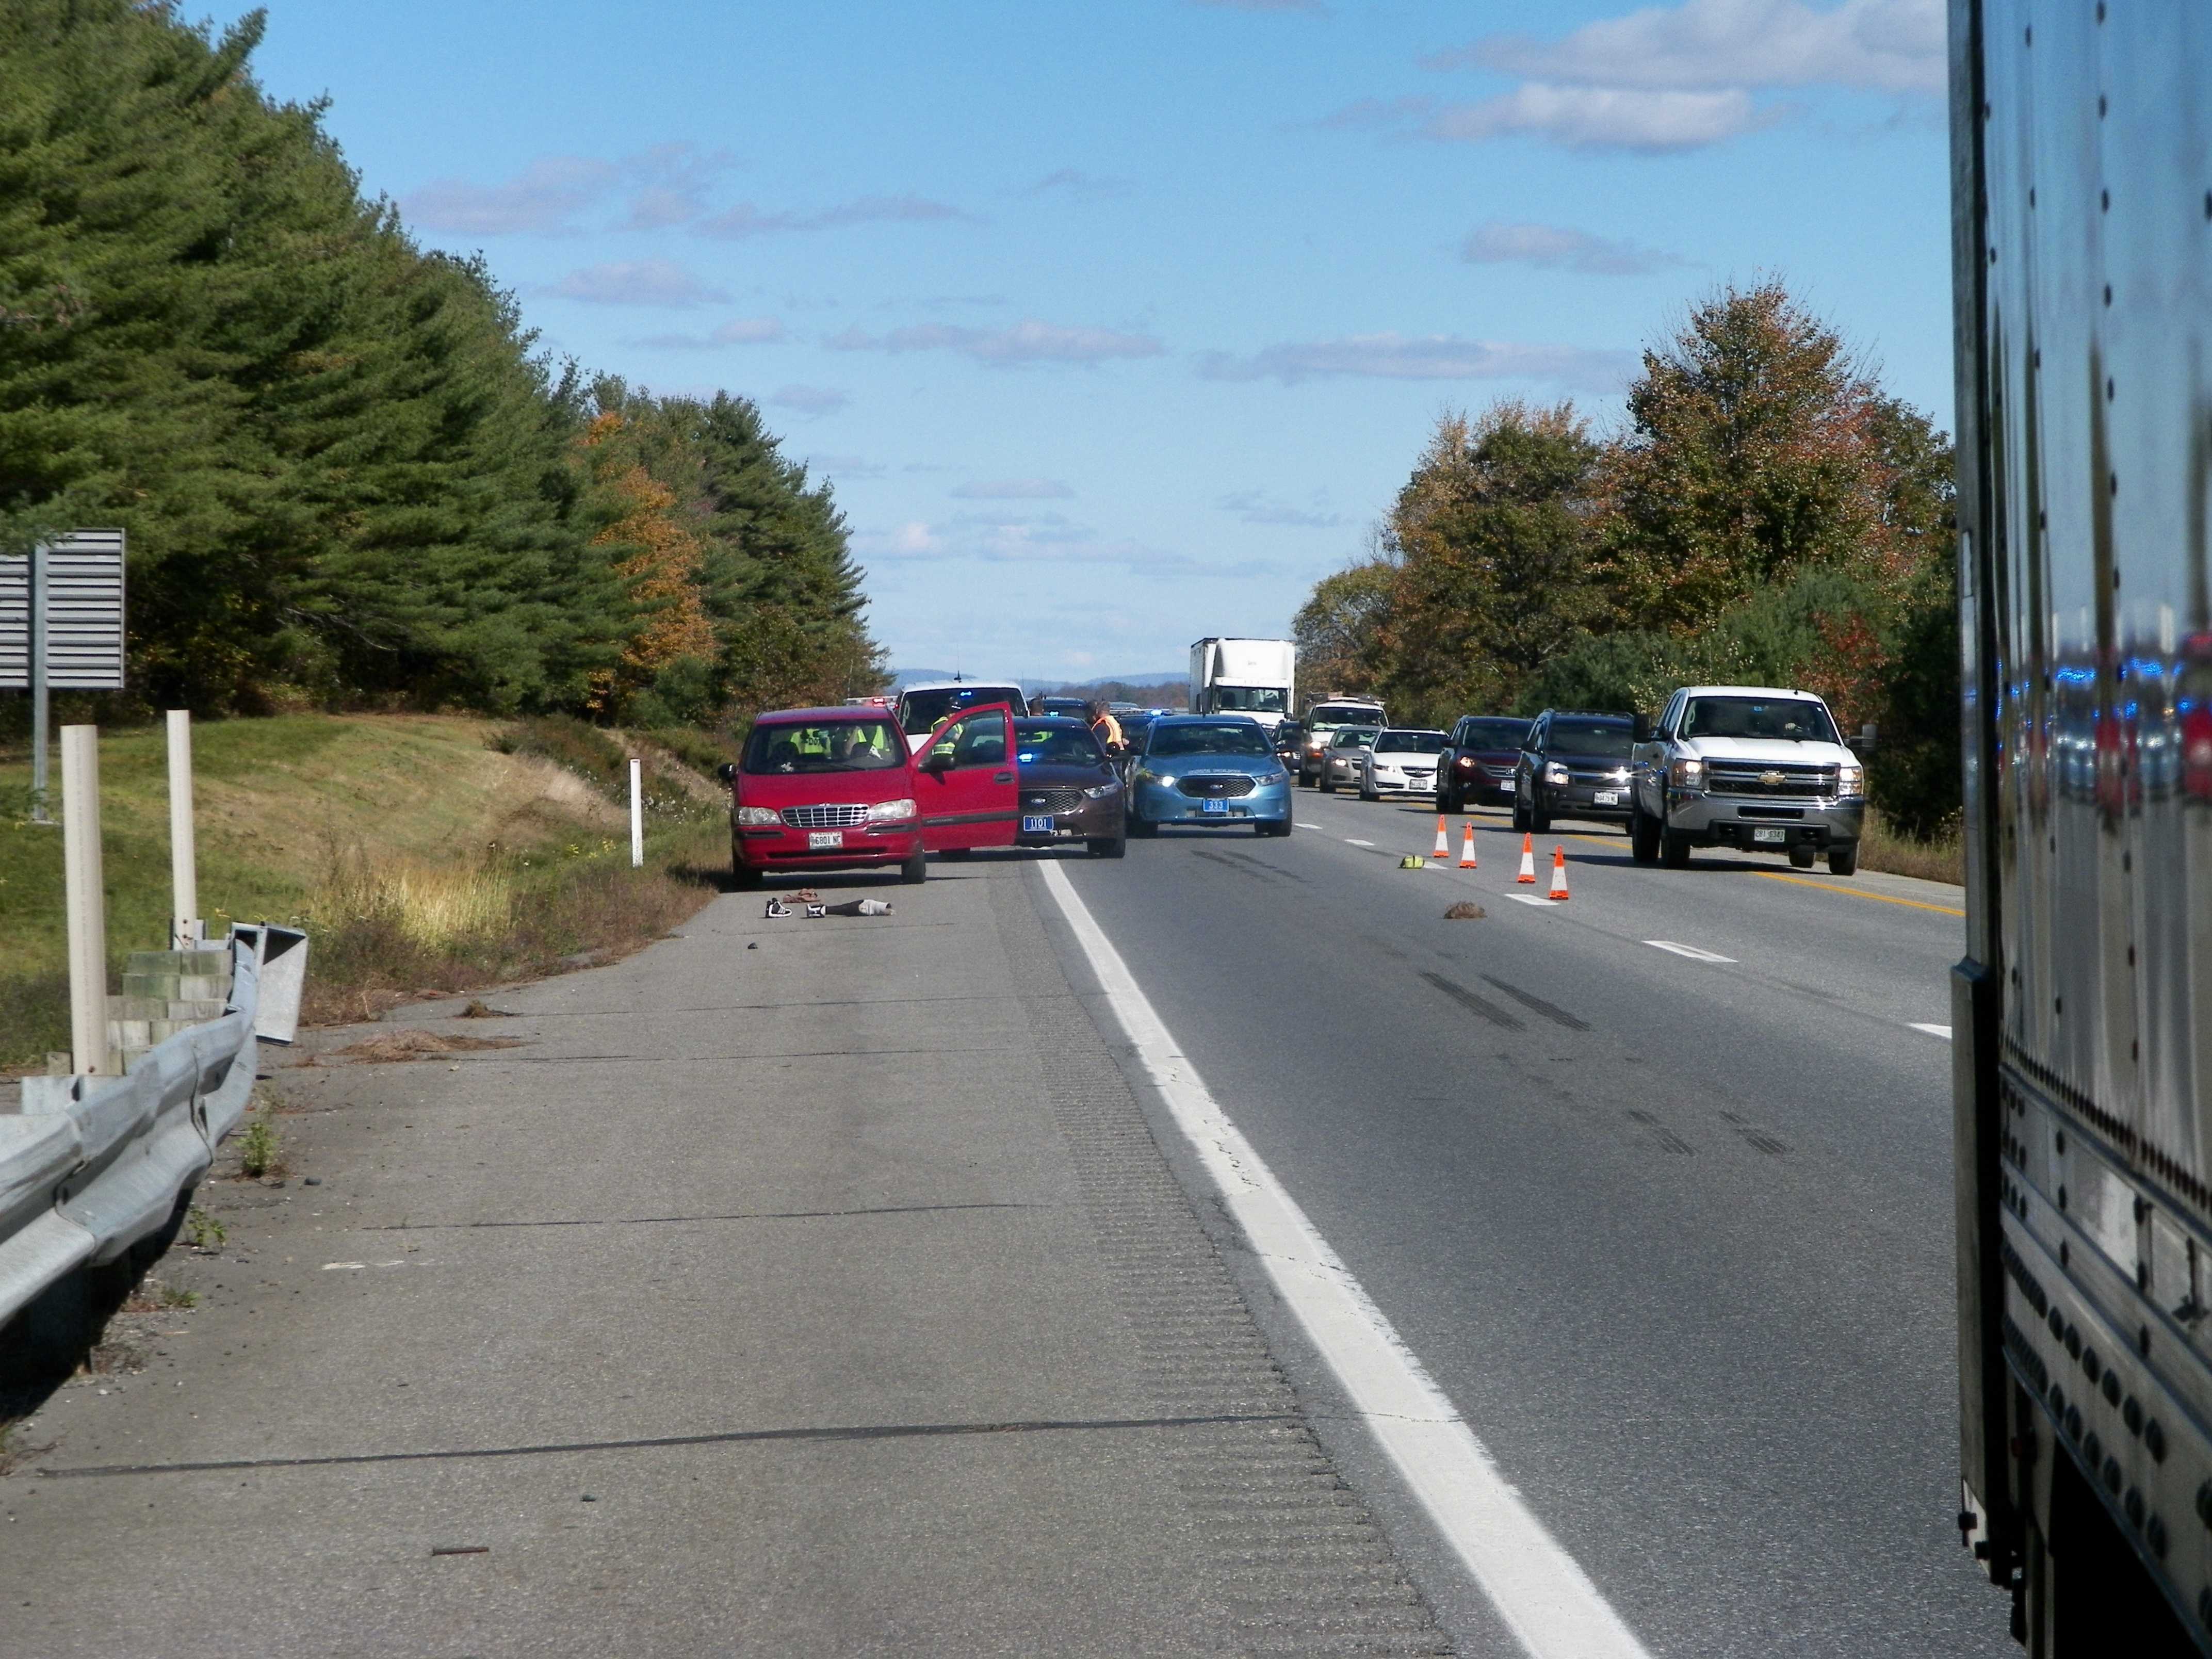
(1215, 786)
(839, 817)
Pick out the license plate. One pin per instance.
(1776, 837)
(1213, 806)
(821, 840)
(1607, 798)
(1037, 826)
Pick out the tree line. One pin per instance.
(348, 475)
(1766, 515)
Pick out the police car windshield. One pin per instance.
(922, 710)
(1209, 738)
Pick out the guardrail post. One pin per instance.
(87, 900)
(185, 928)
(636, 814)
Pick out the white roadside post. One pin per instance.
(185, 929)
(87, 902)
(636, 814)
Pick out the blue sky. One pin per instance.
(1118, 326)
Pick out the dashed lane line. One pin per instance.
(1540, 1592)
(1354, 841)
(1530, 898)
(1943, 1031)
(1858, 892)
(1689, 950)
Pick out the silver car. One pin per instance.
(1340, 761)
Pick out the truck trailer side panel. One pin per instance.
(2082, 178)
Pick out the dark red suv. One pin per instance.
(825, 788)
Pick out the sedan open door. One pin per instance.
(964, 784)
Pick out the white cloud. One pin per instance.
(846, 466)
(1603, 118)
(637, 283)
(1424, 357)
(1882, 45)
(746, 219)
(739, 330)
(1014, 489)
(1010, 539)
(544, 197)
(669, 183)
(1557, 247)
(1253, 508)
(1026, 342)
(810, 400)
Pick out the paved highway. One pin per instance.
(1671, 1226)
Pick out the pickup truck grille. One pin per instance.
(1782, 780)
(825, 817)
(1051, 800)
(1203, 785)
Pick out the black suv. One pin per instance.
(1575, 765)
(1479, 767)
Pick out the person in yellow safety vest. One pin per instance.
(1108, 729)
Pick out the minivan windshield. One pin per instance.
(1610, 739)
(1248, 699)
(1412, 743)
(1796, 720)
(1209, 738)
(921, 711)
(824, 746)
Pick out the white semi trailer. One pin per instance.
(1257, 677)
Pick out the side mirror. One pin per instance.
(1643, 733)
(1864, 743)
(727, 771)
(939, 759)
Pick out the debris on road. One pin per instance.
(1412, 861)
(411, 1044)
(1465, 912)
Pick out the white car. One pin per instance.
(1401, 762)
(1340, 761)
(924, 705)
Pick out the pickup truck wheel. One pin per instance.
(915, 870)
(1643, 835)
(1673, 849)
(1802, 855)
(1843, 859)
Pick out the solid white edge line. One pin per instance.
(1540, 1591)
(1689, 950)
(1943, 1031)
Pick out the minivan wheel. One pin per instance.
(915, 870)
(744, 877)
(1843, 857)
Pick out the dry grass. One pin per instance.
(1881, 847)
(385, 1046)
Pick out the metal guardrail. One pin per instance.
(91, 1165)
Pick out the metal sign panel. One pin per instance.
(84, 614)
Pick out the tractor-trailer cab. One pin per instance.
(1255, 678)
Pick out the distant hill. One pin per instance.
(905, 677)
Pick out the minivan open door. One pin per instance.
(964, 781)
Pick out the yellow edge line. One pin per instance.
(1859, 892)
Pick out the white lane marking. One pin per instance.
(1540, 1591)
(1302, 825)
(1530, 898)
(1354, 841)
(1943, 1031)
(1689, 950)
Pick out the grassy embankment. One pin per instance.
(1881, 847)
(421, 853)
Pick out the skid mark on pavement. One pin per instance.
(1665, 1137)
(1474, 1004)
(1754, 1136)
(1558, 1015)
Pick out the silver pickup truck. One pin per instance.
(1750, 767)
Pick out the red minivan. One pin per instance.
(825, 788)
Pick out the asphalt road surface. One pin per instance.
(1656, 1182)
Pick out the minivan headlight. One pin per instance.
(901, 810)
(758, 817)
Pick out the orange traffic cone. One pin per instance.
(1559, 873)
(1466, 847)
(1443, 840)
(1527, 876)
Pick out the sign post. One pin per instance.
(61, 629)
(636, 815)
